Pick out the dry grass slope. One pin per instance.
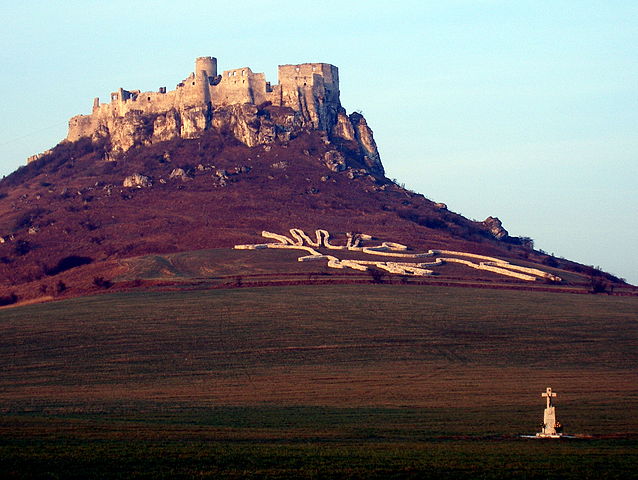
(356, 381)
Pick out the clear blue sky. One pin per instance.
(525, 110)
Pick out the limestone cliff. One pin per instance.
(239, 102)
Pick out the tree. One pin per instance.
(377, 276)
(100, 282)
(60, 287)
(597, 282)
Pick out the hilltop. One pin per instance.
(211, 165)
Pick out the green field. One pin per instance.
(353, 381)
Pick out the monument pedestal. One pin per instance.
(550, 428)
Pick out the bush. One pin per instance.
(27, 218)
(376, 276)
(8, 300)
(22, 247)
(100, 282)
(67, 263)
(426, 220)
(597, 281)
(60, 287)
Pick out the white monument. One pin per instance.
(551, 428)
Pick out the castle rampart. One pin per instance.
(206, 99)
(312, 89)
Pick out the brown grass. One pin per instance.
(386, 346)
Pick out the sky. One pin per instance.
(524, 110)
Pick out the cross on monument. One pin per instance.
(549, 394)
(550, 427)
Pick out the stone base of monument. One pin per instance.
(549, 435)
(550, 428)
(543, 436)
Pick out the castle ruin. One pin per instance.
(307, 94)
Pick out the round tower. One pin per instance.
(206, 64)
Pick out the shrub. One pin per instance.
(376, 276)
(27, 218)
(8, 299)
(597, 281)
(100, 282)
(22, 247)
(60, 287)
(67, 263)
(428, 221)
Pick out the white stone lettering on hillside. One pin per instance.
(403, 263)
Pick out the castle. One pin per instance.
(308, 92)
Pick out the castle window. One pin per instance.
(148, 98)
(314, 68)
(296, 69)
(193, 83)
(234, 74)
(243, 72)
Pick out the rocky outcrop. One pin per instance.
(343, 126)
(38, 156)
(365, 139)
(335, 161)
(179, 173)
(238, 102)
(495, 227)
(137, 180)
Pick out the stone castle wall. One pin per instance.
(311, 89)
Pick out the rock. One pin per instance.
(280, 165)
(335, 161)
(495, 227)
(179, 173)
(166, 127)
(137, 180)
(194, 120)
(38, 156)
(343, 128)
(128, 131)
(242, 169)
(442, 206)
(33, 230)
(364, 137)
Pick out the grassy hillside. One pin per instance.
(68, 218)
(351, 381)
(383, 345)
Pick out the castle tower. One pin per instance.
(206, 64)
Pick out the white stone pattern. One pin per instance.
(299, 240)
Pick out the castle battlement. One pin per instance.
(311, 89)
(205, 99)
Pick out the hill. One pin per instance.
(272, 305)
(213, 164)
